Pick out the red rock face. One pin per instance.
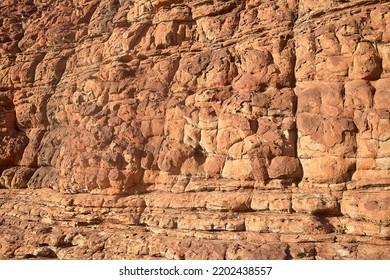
(194, 129)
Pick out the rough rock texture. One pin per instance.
(195, 129)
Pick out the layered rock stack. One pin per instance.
(195, 129)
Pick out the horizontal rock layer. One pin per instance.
(195, 129)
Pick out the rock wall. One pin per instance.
(204, 129)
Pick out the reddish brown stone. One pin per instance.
(285, 167)
(194, 129)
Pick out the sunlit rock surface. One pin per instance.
(222, 129)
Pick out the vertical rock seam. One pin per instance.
(206, 129)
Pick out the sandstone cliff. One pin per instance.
(195, 129)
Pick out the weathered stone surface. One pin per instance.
(194, 129)
(285, 167)
(328, 169)
(316, 203)
(372, 206)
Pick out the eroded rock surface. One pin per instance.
(160, 129)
